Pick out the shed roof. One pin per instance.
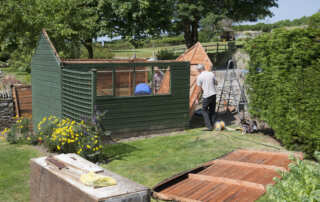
(241, 175)
(97, 61)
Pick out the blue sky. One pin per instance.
(292, 9)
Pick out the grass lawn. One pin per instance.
(149, 161)
(148, 52)
(14, 171)
(146, 161)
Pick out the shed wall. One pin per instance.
(46, 82)
(143, 113)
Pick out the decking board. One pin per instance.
(241, 175)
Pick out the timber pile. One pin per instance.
(195, 55)
(241, 175)
(22, 98)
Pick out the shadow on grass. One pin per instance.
(198, 122)
(117, 151)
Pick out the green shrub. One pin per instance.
(284, 85)
(164, 41)
(19, 132)
(67, 136)
(302, 183)
(165, 54)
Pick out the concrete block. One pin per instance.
(51, 184)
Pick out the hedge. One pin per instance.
(284, 85)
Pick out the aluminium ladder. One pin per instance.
(232, 93)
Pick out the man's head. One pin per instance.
(200, 67)
(156, 69)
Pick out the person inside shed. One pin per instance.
(157, 79)
(142, 89)
(207, 82)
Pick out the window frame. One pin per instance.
(113, 71)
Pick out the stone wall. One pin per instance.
(6, 113)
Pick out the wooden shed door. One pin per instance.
(78, 94)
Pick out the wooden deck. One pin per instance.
(241, 175)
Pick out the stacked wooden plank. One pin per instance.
(239, 176)
(22, 97)
(195, 55)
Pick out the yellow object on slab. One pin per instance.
(95, 180)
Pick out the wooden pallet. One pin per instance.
(241, 175)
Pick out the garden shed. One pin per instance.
(129, 90)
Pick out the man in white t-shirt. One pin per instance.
(207, 82)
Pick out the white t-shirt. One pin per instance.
(206, 80)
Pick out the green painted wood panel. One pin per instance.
(141, 113)
(46, 84)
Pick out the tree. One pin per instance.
(135, 19)
(187, 14)
(71, 23)
(314, 20)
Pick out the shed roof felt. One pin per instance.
(241, 175)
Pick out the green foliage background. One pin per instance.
(284, 85)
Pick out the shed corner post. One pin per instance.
(93, 90)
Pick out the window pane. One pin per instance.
(124, 81)
(143, 81)
(161, 80)
(104, 83)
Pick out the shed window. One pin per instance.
(134, 81)
(104, 83)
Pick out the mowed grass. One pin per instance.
(152, 160)
(146, 161)
(14, 171)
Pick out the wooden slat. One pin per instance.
(249, 165)
(227, 181)
(173, 197)
(281, 154)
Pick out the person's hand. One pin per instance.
(197, 102)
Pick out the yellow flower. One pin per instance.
(28, 138)
(88, 146)
(40, 138)
(100, 146)
(58, 147)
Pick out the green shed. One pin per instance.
(131, 91)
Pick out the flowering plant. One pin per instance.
(68, 136)
(19, 132)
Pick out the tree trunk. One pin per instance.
(191, 33)
(88, 45)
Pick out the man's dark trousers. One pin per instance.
(208, 110)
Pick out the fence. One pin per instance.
(209, 48)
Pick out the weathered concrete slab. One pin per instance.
(49, 184)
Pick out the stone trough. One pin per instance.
(60, 182)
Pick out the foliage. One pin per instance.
(98, 52)
(19, 132)
(67, 136)
(188, 14)
(302, 183)
(135, 19)
(314, 20)
(284, 85)
(165, 54)
(268, 27)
